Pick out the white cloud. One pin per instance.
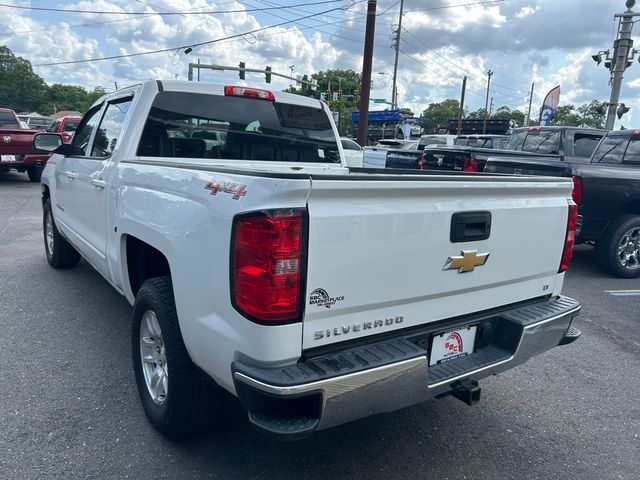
(542, 41)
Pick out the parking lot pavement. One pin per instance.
(69, 409)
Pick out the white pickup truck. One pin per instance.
(258, 263)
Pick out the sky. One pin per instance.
(545, 42)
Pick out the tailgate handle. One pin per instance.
(470, 226)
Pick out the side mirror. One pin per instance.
(47, 142)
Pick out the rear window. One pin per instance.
(71, 125)
(474, 142)
(537, 141)
(632, 155)
(8, 120)
(611, 149)
(234, 128)
(432, 141)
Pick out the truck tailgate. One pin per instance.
(379, 250)
(16, 141)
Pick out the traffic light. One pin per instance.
(622, 109)
(327, 95)
(241, 72)
(339, 95)
(305, 83)
(267, 74)
(356, 96)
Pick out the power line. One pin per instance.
(206, 12)
(191, 45)
(452, 71)
(461, 69)
(95, 24)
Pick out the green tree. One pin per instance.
(347, 82)
(476, 114)
(506, 113)
(64, 97)
(566, 115)
(438, 114)
(593, 114)
(20, 88)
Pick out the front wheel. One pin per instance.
(619, 248)
(177, 399)
(60, 253)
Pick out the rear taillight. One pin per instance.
(576, 193)
(267, 255)
(470, 165)
(570, 238)
(258, 93)
(420, 165)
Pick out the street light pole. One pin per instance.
(622, 58)
(486, 102)
(621, 47)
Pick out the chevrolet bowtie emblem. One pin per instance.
(466, 262)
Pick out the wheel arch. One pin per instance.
(143, 261)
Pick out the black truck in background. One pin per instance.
(415, 159)
(607, 191)
(552, 143)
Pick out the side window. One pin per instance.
(611, 149)
(85, 129)
(584, 145)
(54, 126)
(632, 156)
(107, 135)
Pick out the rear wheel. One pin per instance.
(177, 398)
(35, 173)
(60, 254)
(619, 248)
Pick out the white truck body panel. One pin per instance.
(377, 244)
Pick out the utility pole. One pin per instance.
(490, 107)
(486, 102)
(461, 112)
(394, 90)
(365, 87)
(526, 119)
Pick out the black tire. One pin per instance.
(623, 231)
(60, 253)
(35, 173)
(192, 402)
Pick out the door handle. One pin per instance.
(71, 175)
(99, 184)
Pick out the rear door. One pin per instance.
(382, 255)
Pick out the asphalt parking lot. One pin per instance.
(69, 408)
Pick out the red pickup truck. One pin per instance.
(16, 149)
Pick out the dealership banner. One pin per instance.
(549, 106)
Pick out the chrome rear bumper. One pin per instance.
(293, 401)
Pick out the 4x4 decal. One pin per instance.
(238, 190)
